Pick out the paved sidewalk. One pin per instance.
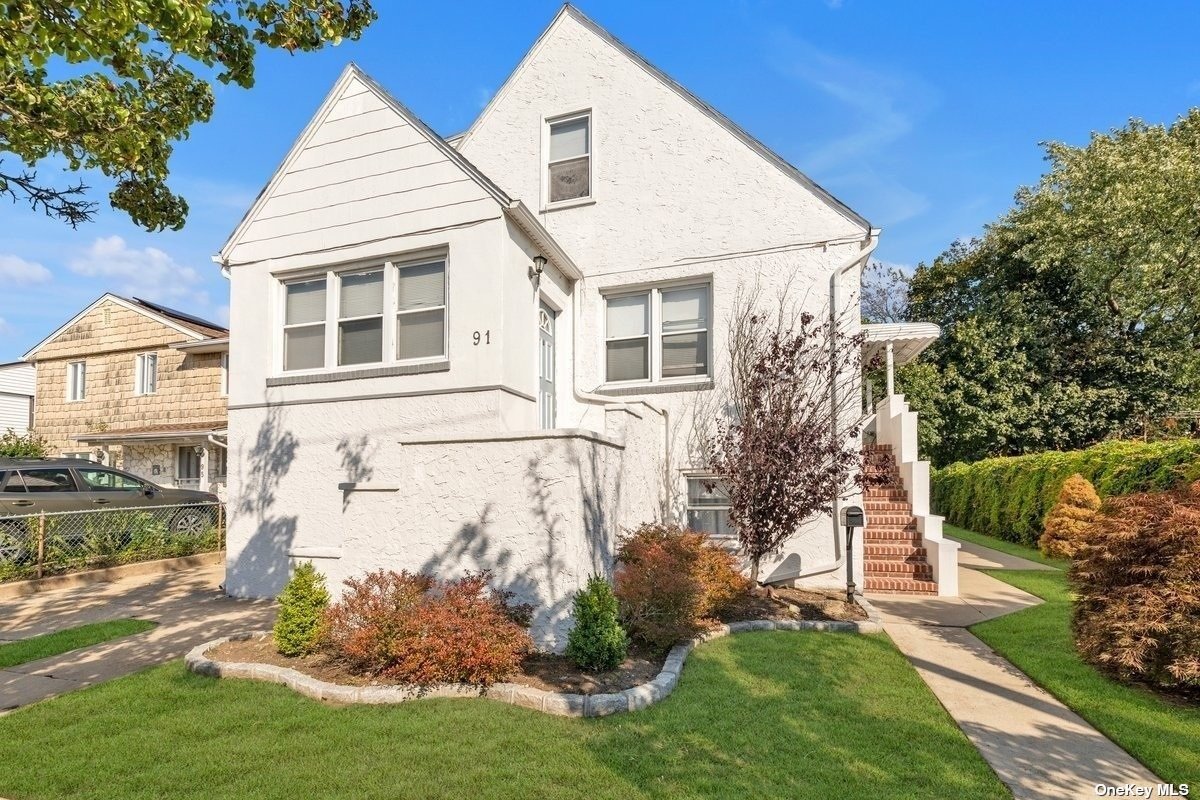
(1039, 747)
(188, 607)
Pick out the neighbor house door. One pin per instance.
(546, 409)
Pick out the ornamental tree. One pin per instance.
(109, 87)
(790, 443)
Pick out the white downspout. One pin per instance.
(870, 243)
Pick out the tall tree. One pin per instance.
(109, 87)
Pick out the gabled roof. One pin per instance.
(729, 125)
(192, 327)
(514, 209)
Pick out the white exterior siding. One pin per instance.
(16, 396)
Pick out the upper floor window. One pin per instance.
(224, 374)
(657, 334)
(77, 380)
(370, 322)
(569, 167)
(145, 378)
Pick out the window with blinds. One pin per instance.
(569, 168)
(304, 325)
(658, 334)
(384, 314)
(421, 311)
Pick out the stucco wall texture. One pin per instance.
(542, 511)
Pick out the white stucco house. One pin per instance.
(486, 351)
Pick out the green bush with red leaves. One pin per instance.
(673, 583)
(414, 629)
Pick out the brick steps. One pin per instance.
(893, 559)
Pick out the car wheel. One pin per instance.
(191, 520)
(14, 543)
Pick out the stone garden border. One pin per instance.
(555, 703)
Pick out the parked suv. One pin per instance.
(54, 485)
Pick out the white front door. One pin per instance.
(546, 366)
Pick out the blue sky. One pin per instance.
(924, 117)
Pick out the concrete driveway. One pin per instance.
(189, 608)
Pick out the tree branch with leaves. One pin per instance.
(109, 87)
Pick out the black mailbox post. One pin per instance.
(852, 517)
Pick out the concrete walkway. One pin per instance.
(188, 607)
(1039, 747)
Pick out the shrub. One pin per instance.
(414, 629)
(29, 445)
(597, 642)
(1009, 497)
(1067, 524)
(670, 582)
(302, 605)
(1137, 581)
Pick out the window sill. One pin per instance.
(564, 204)
(628, 390)
(389, 371)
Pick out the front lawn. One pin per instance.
(59, 642)
(777, 714)
(1161, 733)
(1004, 546)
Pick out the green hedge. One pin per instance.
(1008, 497)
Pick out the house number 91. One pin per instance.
(485, 337)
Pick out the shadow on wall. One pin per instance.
(260, 568)
(357, 455)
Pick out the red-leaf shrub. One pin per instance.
(414, 629)
(1137, 581)
(671, 582)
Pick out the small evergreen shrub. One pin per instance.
(671, 582)
(1137, 585)
(1009, 497)
(414, 629)
(597, 642)
(1067, 524)
(302, 605)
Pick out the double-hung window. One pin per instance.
(77, 380)
(145, 373)
(389, 313)
(224, 374)
(708, 507)
(360, 320)
(421, 311)
(657, 334)
(304, 325)
(569, 167)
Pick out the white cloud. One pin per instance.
(882, 104)
(16, 270)
(146, 272)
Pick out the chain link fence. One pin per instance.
(37, 545)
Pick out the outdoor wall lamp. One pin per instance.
(852, 517)
(539, 264)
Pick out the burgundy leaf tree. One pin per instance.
(790, 442)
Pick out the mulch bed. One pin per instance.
(557, 673)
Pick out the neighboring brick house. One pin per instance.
(139, 386)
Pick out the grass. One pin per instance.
(53, 644)
(769, 714)
(1161, 733)
(1012, 548)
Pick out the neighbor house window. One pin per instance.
(219, 459)
(661, 332)
(187, 466)
(224, 374)
(360, 318)
(421, 311)
(390, 313)
(145, 378)
(569, 169)
(304, 325)
(708, 507)
(77, 380)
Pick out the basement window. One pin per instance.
(708, 507)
